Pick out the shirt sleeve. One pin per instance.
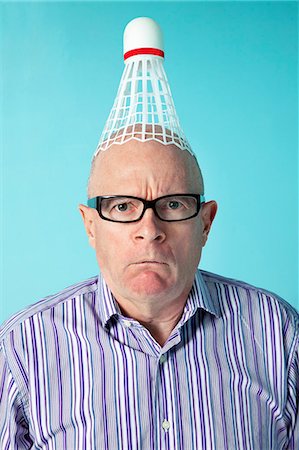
(293, 401)
(14, 432)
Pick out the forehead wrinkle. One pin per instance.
(154, 187)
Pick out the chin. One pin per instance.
(149, 284)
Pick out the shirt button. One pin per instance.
(127, 323)
(165, 425)
(163, 358)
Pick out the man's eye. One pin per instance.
(174, 204)
(121, 207)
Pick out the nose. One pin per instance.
(150, 228)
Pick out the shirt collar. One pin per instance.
(199, 297)
(108, 306)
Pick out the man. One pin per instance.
(153, 353)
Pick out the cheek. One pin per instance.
(189, 243)
(110, 245)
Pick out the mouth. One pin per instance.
(150, 261)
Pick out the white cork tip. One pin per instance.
(142, 32)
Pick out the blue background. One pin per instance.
(232, 68)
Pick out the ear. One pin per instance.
(208, 214)
(89, 222)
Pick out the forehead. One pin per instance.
(136, 166)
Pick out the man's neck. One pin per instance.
(160, 319)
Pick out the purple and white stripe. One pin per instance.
(77, 375)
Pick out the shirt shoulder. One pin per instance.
(51, 301)
(243, 294)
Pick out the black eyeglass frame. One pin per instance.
(95, 202)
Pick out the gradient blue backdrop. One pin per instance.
(232, 68)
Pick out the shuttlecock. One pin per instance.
(143, 108)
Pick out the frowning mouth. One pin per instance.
(150, 262)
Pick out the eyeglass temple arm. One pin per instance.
(92, 202)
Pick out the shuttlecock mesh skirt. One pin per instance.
(143, 108)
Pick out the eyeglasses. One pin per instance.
(126, 209)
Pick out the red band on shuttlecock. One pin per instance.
(144, 51)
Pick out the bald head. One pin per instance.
(138, 157)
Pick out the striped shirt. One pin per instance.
(77, 375)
